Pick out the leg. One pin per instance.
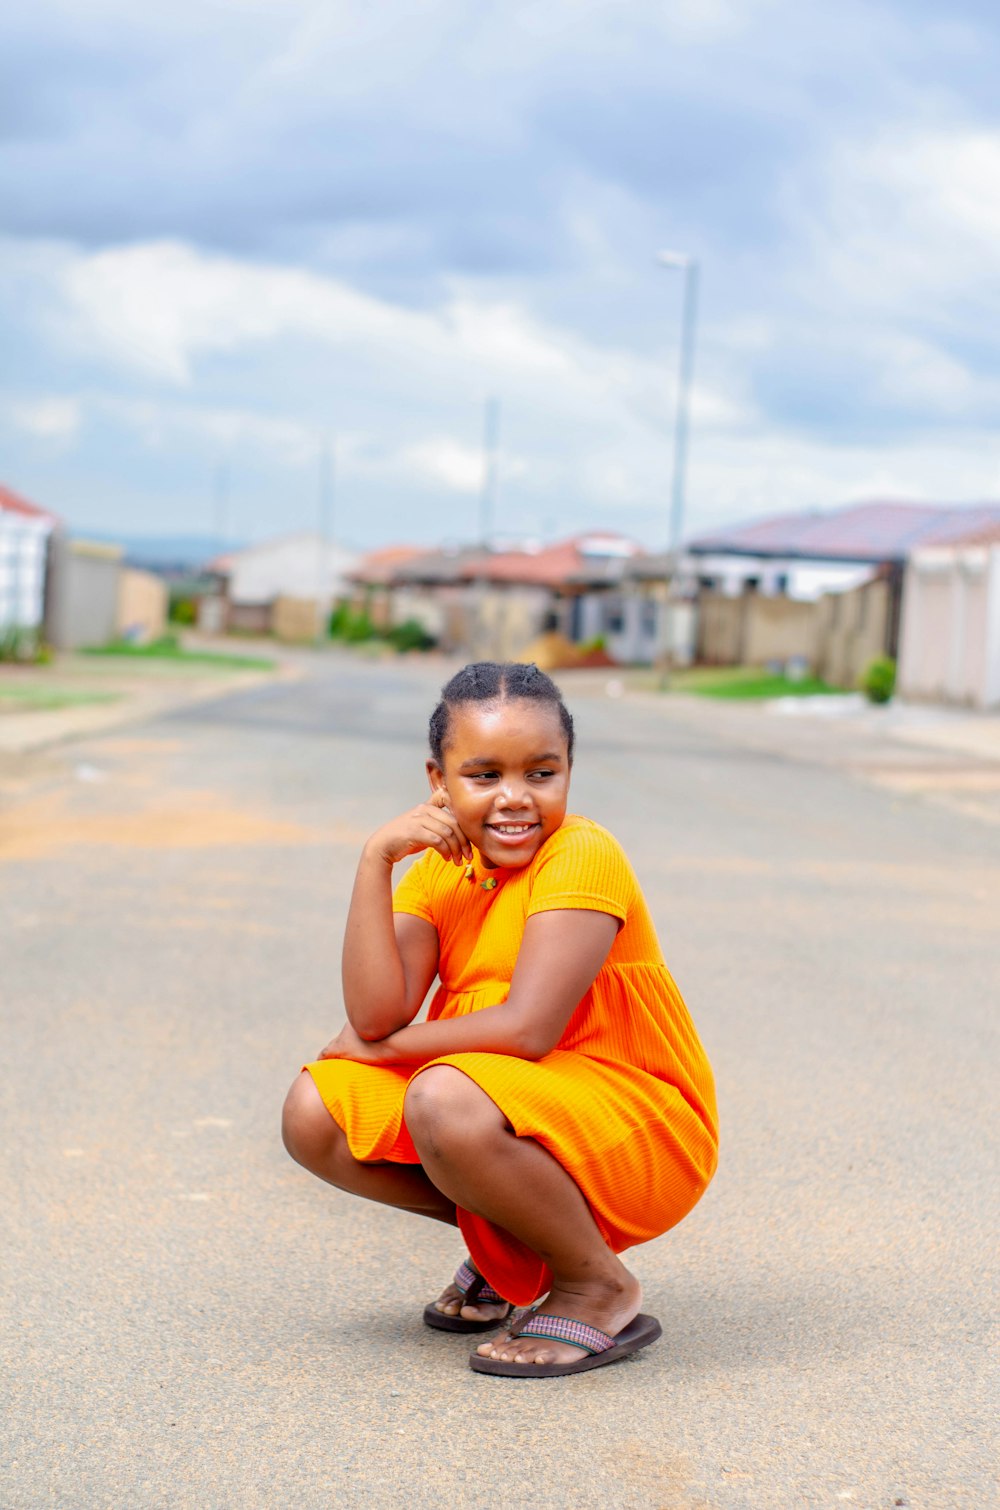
(315, 1141)
(473, 1156)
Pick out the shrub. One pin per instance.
(878, 680)
(23, 645)
(410, 635)
(339, 620)
(183, 609)
(359, 627)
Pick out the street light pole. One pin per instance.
(488, 492)
(689, 266)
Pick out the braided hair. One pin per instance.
(495, 682)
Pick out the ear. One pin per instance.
(435, 776)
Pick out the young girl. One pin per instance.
(556, 1105)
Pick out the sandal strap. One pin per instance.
(561, 1329)
(474, 1287)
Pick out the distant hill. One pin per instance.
(170, 555)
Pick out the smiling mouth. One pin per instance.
(511, 830)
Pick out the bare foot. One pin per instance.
(608, 1304)
(450, 1303)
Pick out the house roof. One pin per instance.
(13, 503)
(859, 532)
(441, 567)
(590, 558)
(261, 549)
(380, 567)
(597, 557)
(984, 534)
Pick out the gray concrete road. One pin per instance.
(191, 1321)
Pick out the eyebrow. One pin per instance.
(549, 758)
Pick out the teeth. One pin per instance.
(512, 828)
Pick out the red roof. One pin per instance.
(11, 503)
(859, 532)
(379, 567)
(556, 565)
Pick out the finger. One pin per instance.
(464, 843)
(445, 835)
(464, 846)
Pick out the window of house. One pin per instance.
(614, 616)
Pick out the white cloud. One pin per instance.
(443, 460)
(907, 223)
(163, 424)
(48, 418)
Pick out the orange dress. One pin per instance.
(625, 1101)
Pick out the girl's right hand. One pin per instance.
(431, 825)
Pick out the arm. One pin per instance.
(389, 962)
(560, 956)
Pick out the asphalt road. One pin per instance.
(191, 1321)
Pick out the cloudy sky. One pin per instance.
(237, 233)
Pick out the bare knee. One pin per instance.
(444, 1109)
(308, 1131)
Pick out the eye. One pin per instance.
(541, 775)
(484, 775)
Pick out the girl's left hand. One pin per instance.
(349, 1044)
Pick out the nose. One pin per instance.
(513, 794)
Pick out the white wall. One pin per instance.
(295, 566)
(949, 644)
(806, 580)
(23, 545)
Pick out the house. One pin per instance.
(372, 580)
(823, 589)
(949, 646)
(802, 556)
(493, 604)
(286, 585)
(25, 531)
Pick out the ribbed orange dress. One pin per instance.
(626, 1100)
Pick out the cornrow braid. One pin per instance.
(494, 682)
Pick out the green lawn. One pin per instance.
(42, 699)
(168, 649)
(746, 682)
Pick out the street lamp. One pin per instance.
(689, 266)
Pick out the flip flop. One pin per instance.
(474, 1291)
(600, 1346)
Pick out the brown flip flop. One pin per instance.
(601, 1348)
(474, 1291)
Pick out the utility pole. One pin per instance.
(324, 502)
(689, 267)
(222, 504)
(326, 475)
(488, 492)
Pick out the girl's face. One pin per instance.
(506, 777)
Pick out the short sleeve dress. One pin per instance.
(625, 1101)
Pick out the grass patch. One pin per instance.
(43, 699)
(169, 649)
(747, 683)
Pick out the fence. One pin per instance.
(836, 636)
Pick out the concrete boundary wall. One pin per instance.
(950, 636)
(837, 636)
(82, 599)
